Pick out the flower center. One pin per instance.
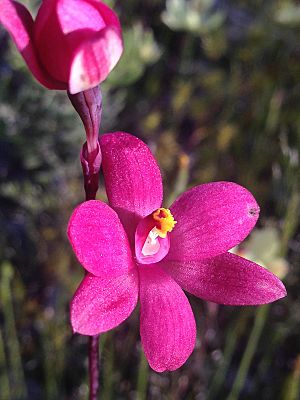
(164, 223)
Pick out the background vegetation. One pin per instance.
(213, 87)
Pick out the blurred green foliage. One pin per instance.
(213, 87)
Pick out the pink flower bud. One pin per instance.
(72, 44)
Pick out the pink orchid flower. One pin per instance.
(71, 45)
(134, 249)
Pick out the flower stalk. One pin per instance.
(88, 105)
(94, 366)
(259, 323)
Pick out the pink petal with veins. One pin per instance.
(97, 55)
(168, 329)
(99, 240)
(94, 60)
(211, 219)
(226, 279)
(101, 304)
(19, 23)
(132, 178)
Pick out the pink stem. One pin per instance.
(88, 104)
(94, 367)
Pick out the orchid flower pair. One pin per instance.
(134, 249)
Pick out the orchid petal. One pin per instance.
(227, 279)
(91, 16)
(132, 178)
(100, 304)
(99, 240)
(94, 60)
(211, 219)
(98, 55)
(19, 23)
(168, 329)
(59, 31)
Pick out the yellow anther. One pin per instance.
(164, 221)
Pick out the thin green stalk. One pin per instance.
(182, 178)
(259, 323)
(108, 368)
(50, 367)
(4, 380)
(143, 373)
(273, 115)
(220, 375)
(18, 385)
(102, 342)
(235, 331)
(291, 388)
(291, 220)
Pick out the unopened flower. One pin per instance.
(71, 45)
(134, 249)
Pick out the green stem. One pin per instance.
(50, 365)
(108, 370)
(291, 219)
(259, 322)
(235, 331)
(222, 370)
(291, 388)
(182, 178)
(4, 380)
(18, 385)
(142, 382)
